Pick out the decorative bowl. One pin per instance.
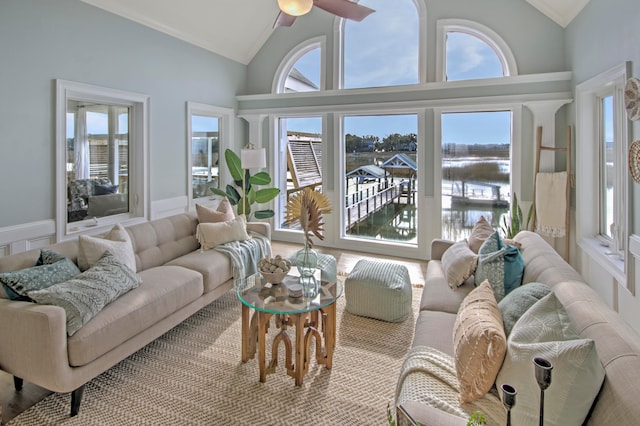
(274, 277)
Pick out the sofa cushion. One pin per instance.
(437, 295)
(516, 303)
(51, 268)
(500, 264)
(479, 343)
(117, 241)
(434, 329)
(164, 290)
(83, 296)
(480, 232)
(545, 331)
(458, 262)
(223, 213)
(210, 235)
(214, 266)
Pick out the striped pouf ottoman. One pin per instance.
(378, 290)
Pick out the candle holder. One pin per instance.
(508, 400)
(543, 377)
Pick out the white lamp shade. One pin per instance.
(253, 158)
(295, 7)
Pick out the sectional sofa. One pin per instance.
(617, 345)
(177, 280)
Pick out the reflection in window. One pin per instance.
(382, 50)
(97, 162)
(607, 167)
(205, 152)
(468, 58)
(381, 177)
(476, 164)
(304, 76)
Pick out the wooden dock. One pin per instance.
(366, 202)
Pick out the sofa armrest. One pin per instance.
(438, 247)
(34, 343)
(413, 413)
(263, 228)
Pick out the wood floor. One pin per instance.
(14, 403)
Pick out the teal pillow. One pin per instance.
(518, 301)
(83, 296)
(51, 268)
(501, 264)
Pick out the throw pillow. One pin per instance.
(458, 263)
(18, 283)
(210, 235)
(117, 241)
(480, 232)
(545, 331)
(85, 295)
(49, 257)
(223, 213)
(501, 264)
(104, 189)
(517, 302)
(479, 343)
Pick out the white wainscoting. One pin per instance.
(28, 236)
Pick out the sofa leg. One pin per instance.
(76, 399)
(17, 383)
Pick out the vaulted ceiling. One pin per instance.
(237, 29)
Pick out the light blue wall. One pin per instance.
(42, 40)
(606, 34)
(536, 41)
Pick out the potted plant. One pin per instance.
(244, 194)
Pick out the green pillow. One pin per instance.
(501, 264)
(545, 331)
(51, 268)
(519, 301)
(83, 296)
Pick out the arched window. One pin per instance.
(303, 68)
(468, 50)
(383, 49)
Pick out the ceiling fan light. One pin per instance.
(295, 7)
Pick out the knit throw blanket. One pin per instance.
(428, 376)
(244, 255)
(551, 203)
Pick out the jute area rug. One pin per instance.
(193, 375)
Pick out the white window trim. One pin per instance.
(139, 197)
(338, 47)
(294, 55)
(485, 34)
(225, 138)
(587, 160)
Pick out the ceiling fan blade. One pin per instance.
(284, 20)
(344, 8)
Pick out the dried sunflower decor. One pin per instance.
(307, 207)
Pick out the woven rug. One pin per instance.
(193, 375)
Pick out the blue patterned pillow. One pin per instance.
(516, 303)
(51, 268)
(501, 264)
(83, 296)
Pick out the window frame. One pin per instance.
(225, 140)
(588, 222)
(293, 56)
(139, 200)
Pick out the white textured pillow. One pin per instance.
(117, 241)
(210, 235)
(458, 263)
(545, 330)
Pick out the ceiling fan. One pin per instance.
(290, 9)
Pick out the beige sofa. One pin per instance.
(617, 345)
(177, 280)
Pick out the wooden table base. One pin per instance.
(318, 325)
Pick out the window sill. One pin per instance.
(602, 255)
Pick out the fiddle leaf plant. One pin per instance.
(251, 195)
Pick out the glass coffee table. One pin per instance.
(313, 316)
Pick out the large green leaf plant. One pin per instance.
(251, 194)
